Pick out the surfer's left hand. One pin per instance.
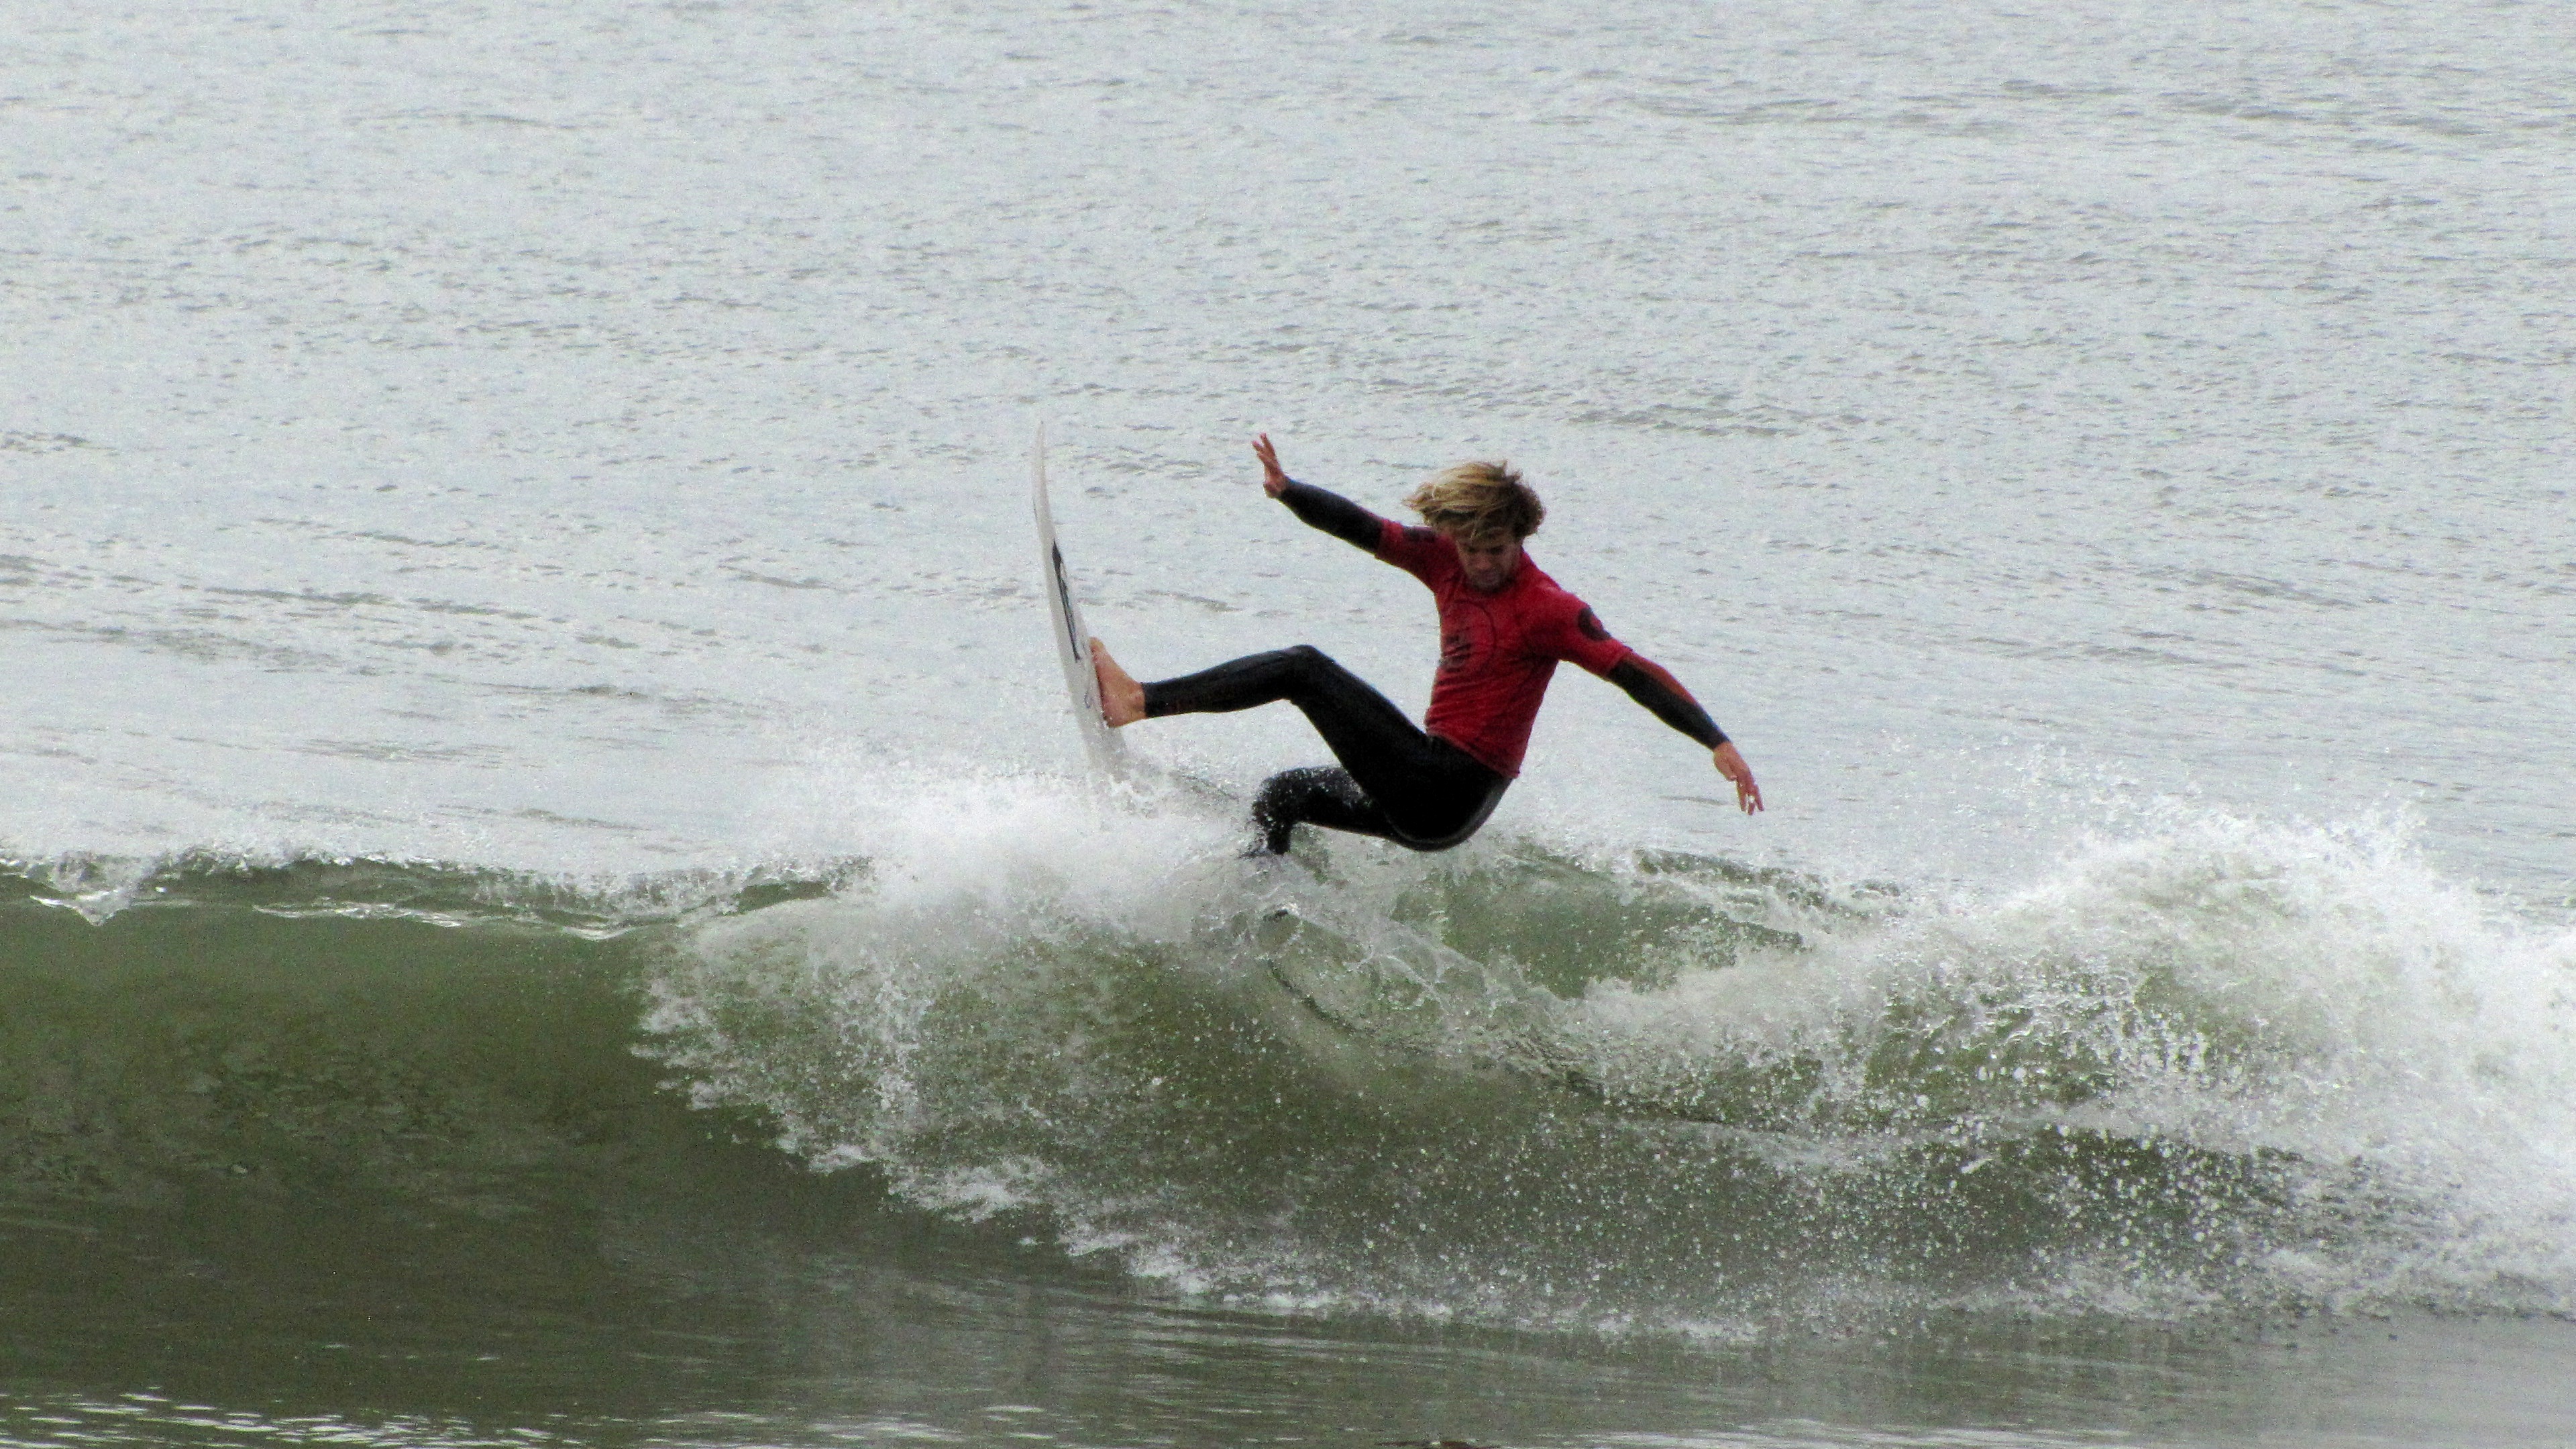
(1730, 763)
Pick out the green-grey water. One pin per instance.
(369, 1153)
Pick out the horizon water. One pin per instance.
(552, 895)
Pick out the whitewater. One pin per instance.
(551, 893)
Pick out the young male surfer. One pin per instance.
(1503, 627)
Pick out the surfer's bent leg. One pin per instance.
(1324, 795)
(1395, 782)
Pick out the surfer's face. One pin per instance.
(1488, 562)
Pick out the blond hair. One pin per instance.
(1476, 501)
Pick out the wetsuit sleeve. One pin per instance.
(1321, 508)
(1581, 640)
(1651, 685)
(1576, 636)
(1418, 551)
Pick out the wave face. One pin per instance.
(437, 1040)
(2218, 1066)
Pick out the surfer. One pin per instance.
(1503, 626)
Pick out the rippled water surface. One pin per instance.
(552, 896)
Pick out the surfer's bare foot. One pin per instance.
(1122, 699)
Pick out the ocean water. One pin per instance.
(552, 896)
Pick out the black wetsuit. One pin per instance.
(1396, 780)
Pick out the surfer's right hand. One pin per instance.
(1273, 481)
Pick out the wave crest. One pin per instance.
(2220, 1064)
(2226, 1063)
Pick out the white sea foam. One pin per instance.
(2226, 986)
(2288, 1061)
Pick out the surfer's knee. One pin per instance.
(1275, 813)
(1308, 664)
(1310, 795)
(1281, 794)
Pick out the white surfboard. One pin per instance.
(1072, 641)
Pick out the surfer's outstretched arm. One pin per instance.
(1653, 686)
(1317, 507)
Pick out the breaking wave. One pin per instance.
(2220, 1065)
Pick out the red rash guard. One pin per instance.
(1497, 650)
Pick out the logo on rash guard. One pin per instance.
(1455, 647)
(1590, 626)
(1468, 639)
